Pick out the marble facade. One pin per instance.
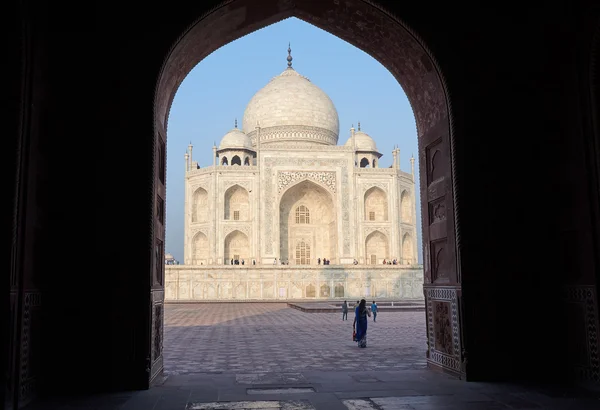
(281, 193)
(285, 283)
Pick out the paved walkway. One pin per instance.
(268, 356)
(269, 337)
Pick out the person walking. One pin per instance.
(345, 310)
(360, 323)
(374, 310)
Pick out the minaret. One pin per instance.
(353, 143)
(397, 157)
(190, 151)
(394, 160)
(258, 250)
(214, 153)
(412, 166)
(187, 162)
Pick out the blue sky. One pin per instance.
(218, 89)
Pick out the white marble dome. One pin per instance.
(364, 142)
(235, 139)
(291, 108)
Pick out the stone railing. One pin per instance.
(275, 282)
(222, 168)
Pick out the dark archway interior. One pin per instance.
(504, 125)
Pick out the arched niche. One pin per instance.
(247, 160)
(307, 213)
(311, 291)
(407, 249)
(200, 249)
(364, 163)
(200, 206)
(339, 290)
(224, 161)
(237, 247)
(377, 247)
(406, 207)
(376, 204)
(236, 160)
(237, 204)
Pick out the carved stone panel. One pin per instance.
(287, 178)
(439, 260)
(435, 162)
(585, 361)
(443, 327)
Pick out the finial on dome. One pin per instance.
(235, 126)
(359, 125)
(289, 57)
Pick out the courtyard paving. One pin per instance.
(271, 337)
(267, 356)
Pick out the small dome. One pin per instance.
(235, 139)
(169, 256)
(364, 142)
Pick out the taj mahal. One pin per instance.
(284, 212)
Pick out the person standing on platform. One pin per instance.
(345, 310)
(374, 310)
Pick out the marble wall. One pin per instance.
(286, 282)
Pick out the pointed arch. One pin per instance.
(224, 161)
(237, 204)
(406, 207)
(377, 247)
(247, 160)
(339, 291)
(237, 247)
(364, 163)
(376, 204)
(200, 206)
(311, 291)
(200, 249)
(236, 160)
(312, 206)
(407, 249)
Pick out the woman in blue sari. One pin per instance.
(360, 323)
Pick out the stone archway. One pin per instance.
(200, 206)
(377, 248)
(200, 249)
(236, 247)
(405, 207)
(236, 204)
(307, 220)
(376, 205)
(385, 37)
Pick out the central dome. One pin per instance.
(291, 108)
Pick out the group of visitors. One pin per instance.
(361, 313)
(390, 262)
(325, 261)
(241, 262)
